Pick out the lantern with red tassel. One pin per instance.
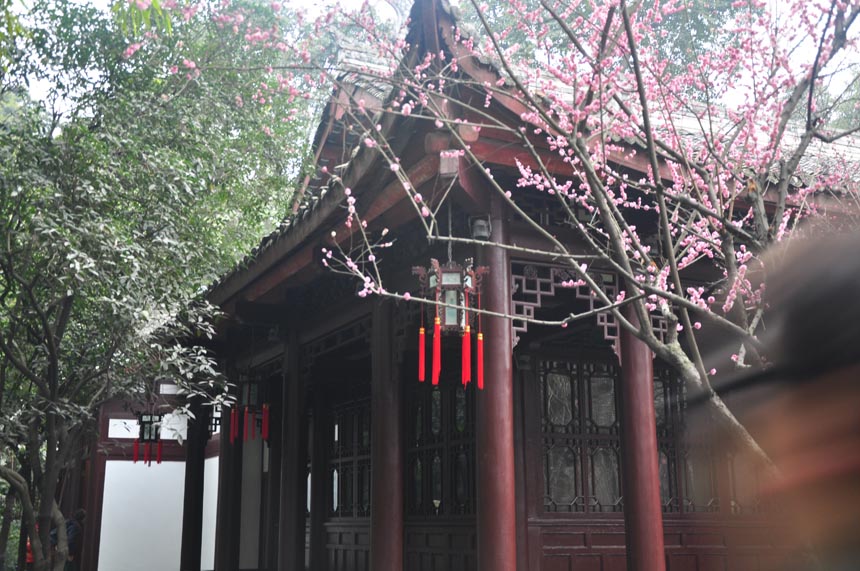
(451, 286)
(149, 433)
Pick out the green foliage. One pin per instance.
(694, 28)
(10, 31)
(126, 186)
(134, 18)
(844, 110)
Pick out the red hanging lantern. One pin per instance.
(450, 286)
(149, 433)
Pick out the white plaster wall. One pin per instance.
(141, 526)
(249, 533)
(210, 510)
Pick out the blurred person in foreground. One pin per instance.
(809, 423)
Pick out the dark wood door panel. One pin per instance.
(695, 546)
(440, 546)
(347, 546)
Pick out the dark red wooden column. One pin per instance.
(272, 509)
(229, 496)
(496, 521)
(643, 517)
(192, 511)
(386, 511)
(294, 459)
(320, 485)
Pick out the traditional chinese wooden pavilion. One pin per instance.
(363, 467)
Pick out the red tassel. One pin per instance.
(236, 424)
(480, 359)
(158, 453)
(467, 356)
(135, 450)
(264, 430)
(245, 428)
(422, 357)
(147, 452)
(437, 350)
(253, 425)
(232, 425)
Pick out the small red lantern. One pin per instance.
(150, 432)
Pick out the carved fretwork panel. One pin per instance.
(533, 282)
(406, 318)
(357, 331)
(312, 300)
(545, 210)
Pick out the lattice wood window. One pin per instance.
(686, 462)
(349, 460)
(581, 437)
(745, 476)
(582, 440)
(441, 450)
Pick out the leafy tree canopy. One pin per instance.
(128, 182)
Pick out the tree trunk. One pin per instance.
(726, 422)
(6, 526)
(61, 551)
(22, 542)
